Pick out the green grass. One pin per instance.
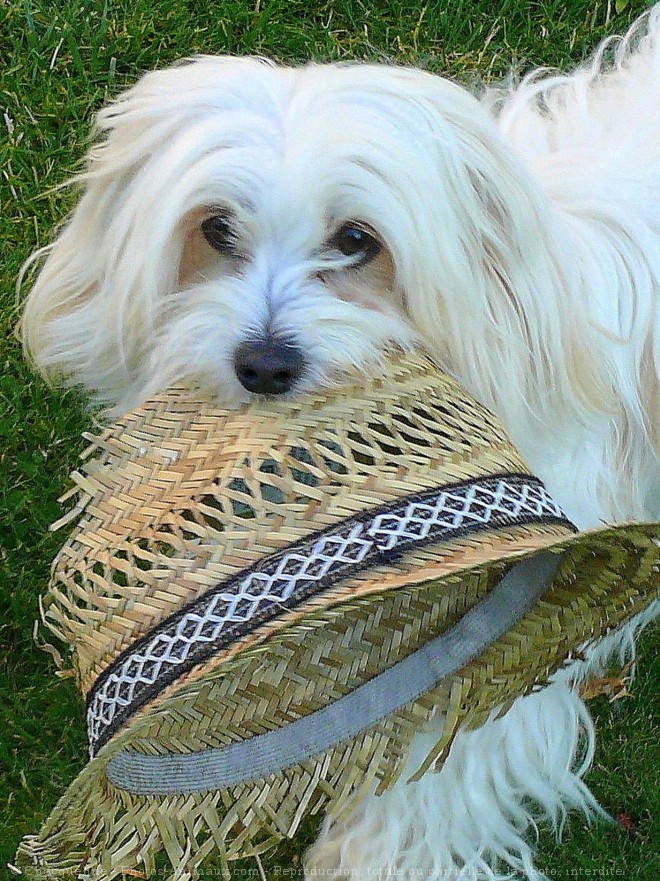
(61, 61)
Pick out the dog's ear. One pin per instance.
(497, 262)
(89, 308)
(65, 320)
(510, 231)
(73, 319)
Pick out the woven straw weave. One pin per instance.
(181, 495)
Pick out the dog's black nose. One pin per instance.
(268, 367)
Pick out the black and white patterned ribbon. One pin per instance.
(288, 577)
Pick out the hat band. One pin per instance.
(282, 580)
(322, 730)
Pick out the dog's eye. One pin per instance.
(218, 233)
(354, 241)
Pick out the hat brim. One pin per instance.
(318, 653)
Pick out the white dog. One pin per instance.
(258, 229)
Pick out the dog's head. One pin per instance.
(258, 229)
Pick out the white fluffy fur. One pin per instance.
(523, 236)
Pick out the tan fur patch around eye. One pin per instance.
(197, 255)
(372, 285)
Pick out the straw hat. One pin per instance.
(265, 605)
